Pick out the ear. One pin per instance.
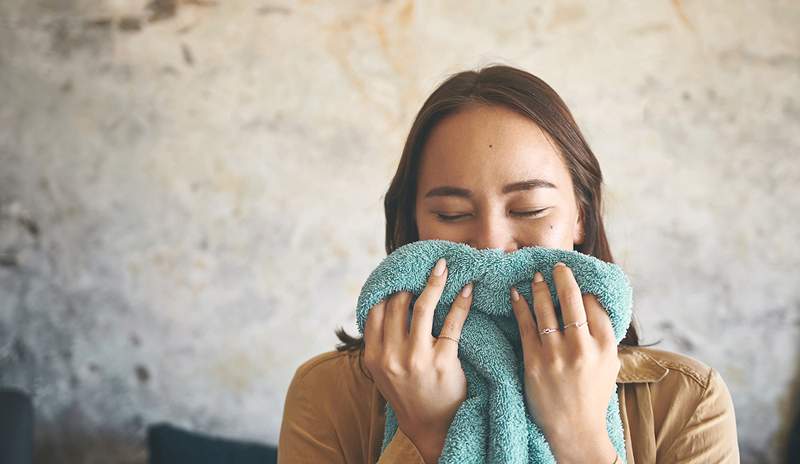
(578, 235)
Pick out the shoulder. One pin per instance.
(343, 366)
(673, 375)
(325, 381)
(655, 365)
(322, 364)
(685, 400)
(326, 410)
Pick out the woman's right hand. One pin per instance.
(419, 375)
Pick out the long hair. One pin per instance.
(527, 95)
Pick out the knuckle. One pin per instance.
(417, 364)
(580, 355)
(579, 346)
(421, 305)
(578, 362)
(392, 367)
(440, 365)
(551, 360)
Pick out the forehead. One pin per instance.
(487, 145)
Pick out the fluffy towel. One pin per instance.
(493, 425)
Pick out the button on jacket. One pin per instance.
(674, 409)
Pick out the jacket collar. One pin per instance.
(636, 366)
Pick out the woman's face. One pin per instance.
(471, 165)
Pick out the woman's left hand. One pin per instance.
(570, 373)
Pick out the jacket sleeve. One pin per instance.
(309, 435)
(709, 435)
(401, 449)
(306, 435)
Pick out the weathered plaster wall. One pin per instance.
(190, 191)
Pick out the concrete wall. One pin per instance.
(190, 191)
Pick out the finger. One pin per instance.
(395, 324)
(599, 322)
(454, 322)
(528, 331)
(544, 310)
(424, 307)
(373, 334)
(373, 328)
(571, 300)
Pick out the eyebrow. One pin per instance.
(448, 190)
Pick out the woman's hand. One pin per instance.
(418, 374)
(570, 373)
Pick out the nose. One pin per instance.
(492, 232)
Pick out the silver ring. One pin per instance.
(547, 330)
(449, 338)
(576, 324)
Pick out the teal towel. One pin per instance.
(492, 424)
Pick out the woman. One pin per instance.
(495, 159)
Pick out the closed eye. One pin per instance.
(447, 218)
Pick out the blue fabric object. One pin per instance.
(493, 424)
(169, 444)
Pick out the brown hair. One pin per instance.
(528, 95)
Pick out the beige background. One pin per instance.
(191, 192)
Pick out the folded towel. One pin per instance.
(492, 424)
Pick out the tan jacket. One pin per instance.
(674, 410)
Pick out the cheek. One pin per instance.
(551, 234)
(428, 229)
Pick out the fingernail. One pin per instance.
(465, 292)
(560, 264)
(439, 268)
(538, 277)
(514, 294)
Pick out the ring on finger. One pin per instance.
(548, 330)
(577, 325)
(448, 338)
